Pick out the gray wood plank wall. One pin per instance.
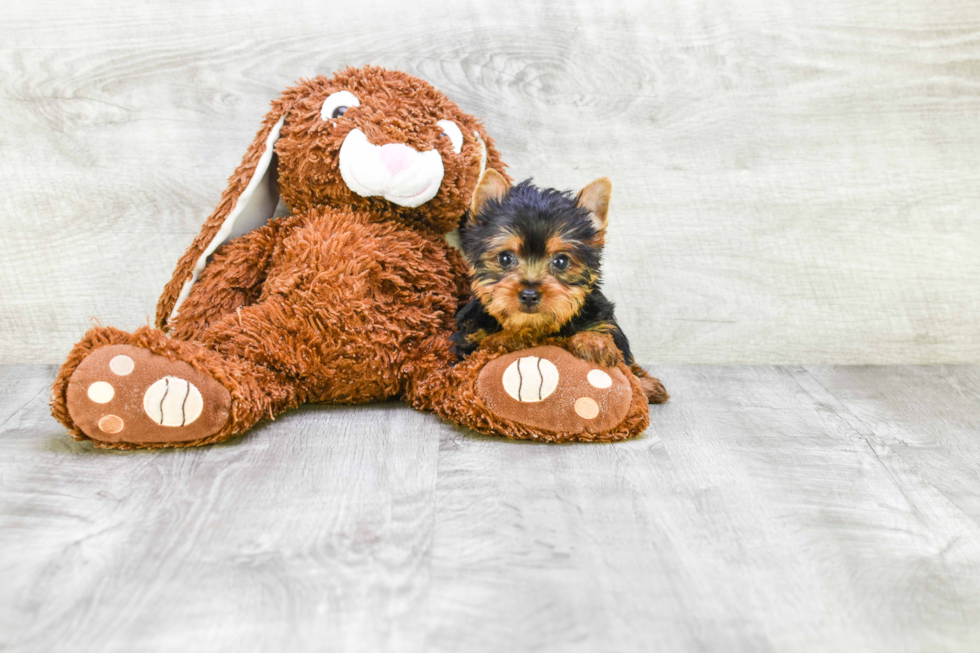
(795, 181)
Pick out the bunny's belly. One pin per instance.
(361, 300)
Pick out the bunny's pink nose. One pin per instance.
(397, 157)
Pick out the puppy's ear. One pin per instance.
(492, 186)
(595, 199)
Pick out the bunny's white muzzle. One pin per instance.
(400, 174)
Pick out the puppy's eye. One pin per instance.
(337, 104)
(560, 262)
(506, 259)
(451, 130)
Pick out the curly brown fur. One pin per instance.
(348, 299)
(395, 107)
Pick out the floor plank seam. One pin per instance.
(20, 410)
(873, 439)
(849, 417)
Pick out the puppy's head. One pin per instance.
(534, 254)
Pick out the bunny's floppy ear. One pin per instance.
(248, 203)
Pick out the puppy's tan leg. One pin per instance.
(596, 347)
(652, 387)
(507, 340)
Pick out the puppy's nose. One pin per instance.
(530, 296)
(396, 157)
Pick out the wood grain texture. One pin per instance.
(297, 543)
(794, 181)
(766, 509)
(902, 410)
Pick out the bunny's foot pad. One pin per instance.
(550, 389)
(123, 393)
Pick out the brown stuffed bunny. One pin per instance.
(349, 297)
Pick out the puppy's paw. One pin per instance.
(595, 347)
(506, 340)
(652, 387)
(654, 390)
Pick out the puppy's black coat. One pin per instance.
(532, 224)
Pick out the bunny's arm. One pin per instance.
(233, 279)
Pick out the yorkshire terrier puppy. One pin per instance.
(534, 257)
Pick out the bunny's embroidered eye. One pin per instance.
(450, 129)
(337, 104)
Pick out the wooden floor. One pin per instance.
(766, 509)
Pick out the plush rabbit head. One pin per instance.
(380, 141)
(366, 139)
